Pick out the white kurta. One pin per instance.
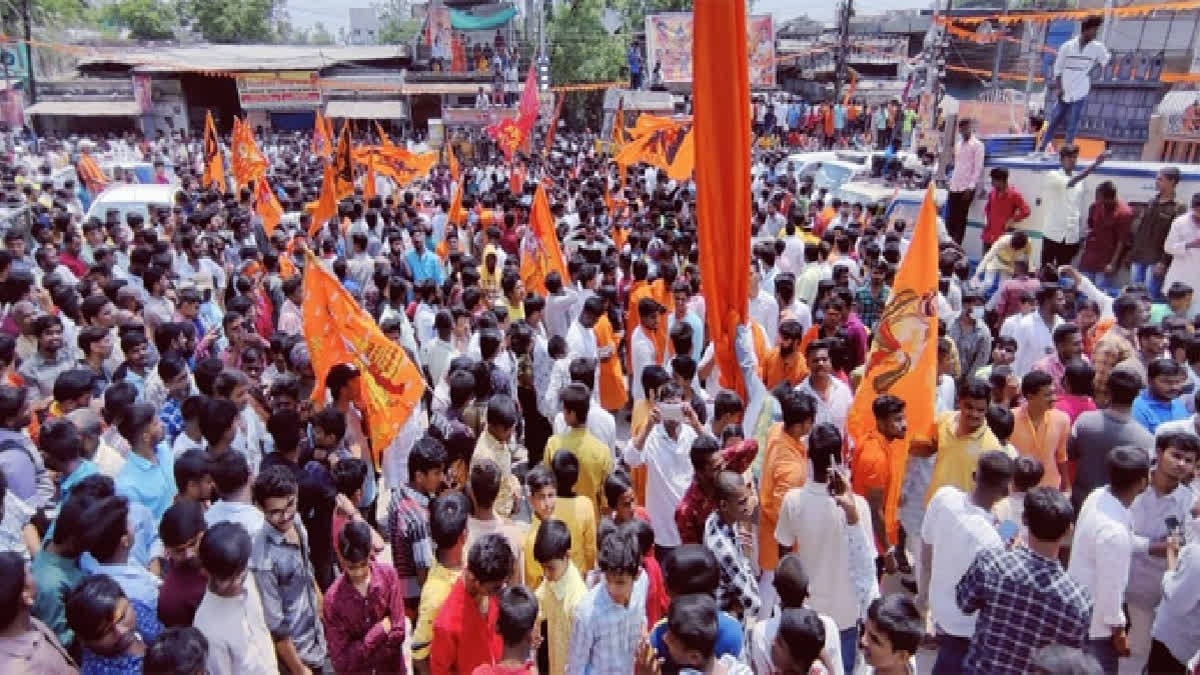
(1185, 263)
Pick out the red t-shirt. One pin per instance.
(1001, 206)
(464, 639)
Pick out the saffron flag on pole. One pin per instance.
(527, 108)
(214, 163)
(267, 206)
(540, 253)
(618, 126)
(383, 137)
(664, 142)
(343, 163)
(903, 356)
(369, 179)
(246, 161)
(553, 123)
(337, 330)
(321, 144)
(721, 85)
(452, 162)
(326, 205)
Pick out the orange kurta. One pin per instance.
(613, 391)
(637, 421)
(776, 368)
(785, 466)
(878, 463)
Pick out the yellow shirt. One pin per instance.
(488, 447)
(558, 601)
(433, 595)
(957, 456)
(577, 514)
(595, 462)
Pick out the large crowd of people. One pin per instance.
(576, 493)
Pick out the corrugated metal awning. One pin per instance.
(366, 110)
(86, 108)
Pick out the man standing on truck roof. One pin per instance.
(1073, 78)
(968, 170)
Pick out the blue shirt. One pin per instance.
(148, 626)
(729, 640)
(693, 320)
(424, 266)
(138, 584)
(1151, 412)
(86, 468)
(151, 484)
(839, 116)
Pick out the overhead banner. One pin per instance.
(669, 46)
(287, 90)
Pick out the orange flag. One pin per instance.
(369, 179)
(214, 163)
(91, 174)
(343, 163)
(540, 253)
(452, 161)
(267, 206)
(321, 143)
(903, 356)
(456, 214)
(326, 205)
(516, 180)
(618, 127)
(662, 142)
(383, 137)
(721, 85)
(339, 331)
(247, 162)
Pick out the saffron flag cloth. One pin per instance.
(339, 331)
(321, 144)
(247, 162)
(326, 205)
(618, 126)
(721, 99)
(510, 134)
(343, 163)
(91, 174)
(369, 179)
(383, 137)
(452, 162)
(903, 357)
(399, 164)
(664, 142)
(540, 253)
(507, 135)
(267, 206)
(527, 108)
(214, 163)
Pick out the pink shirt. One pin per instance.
(968, 165)
(1074, 405)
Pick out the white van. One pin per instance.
(127, 198)
(1134, 182)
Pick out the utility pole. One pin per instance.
(846, 10)
(29, 52)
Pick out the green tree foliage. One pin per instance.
(145, 19)
(234, 21)
(320, 35)
(396, 25)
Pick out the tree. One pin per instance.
(234, 21)
(320, 35)
(396, 25)
(145, 19)
(635, 11)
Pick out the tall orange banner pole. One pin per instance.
(721, 86)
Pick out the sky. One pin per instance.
(309, 12)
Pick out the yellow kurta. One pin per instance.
(595, 462)
(577, 514)
(433, 595)
(558, 601)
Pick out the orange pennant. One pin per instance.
(321, 143)
(721, 83)
(214, 163)
(343, 164)
(540, 253)
(339, 331)
(326, 205)
(903, 357)
(267, 206)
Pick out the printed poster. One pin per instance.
(669, 44)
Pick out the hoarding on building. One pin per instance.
(285, 90)
(669, 46)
